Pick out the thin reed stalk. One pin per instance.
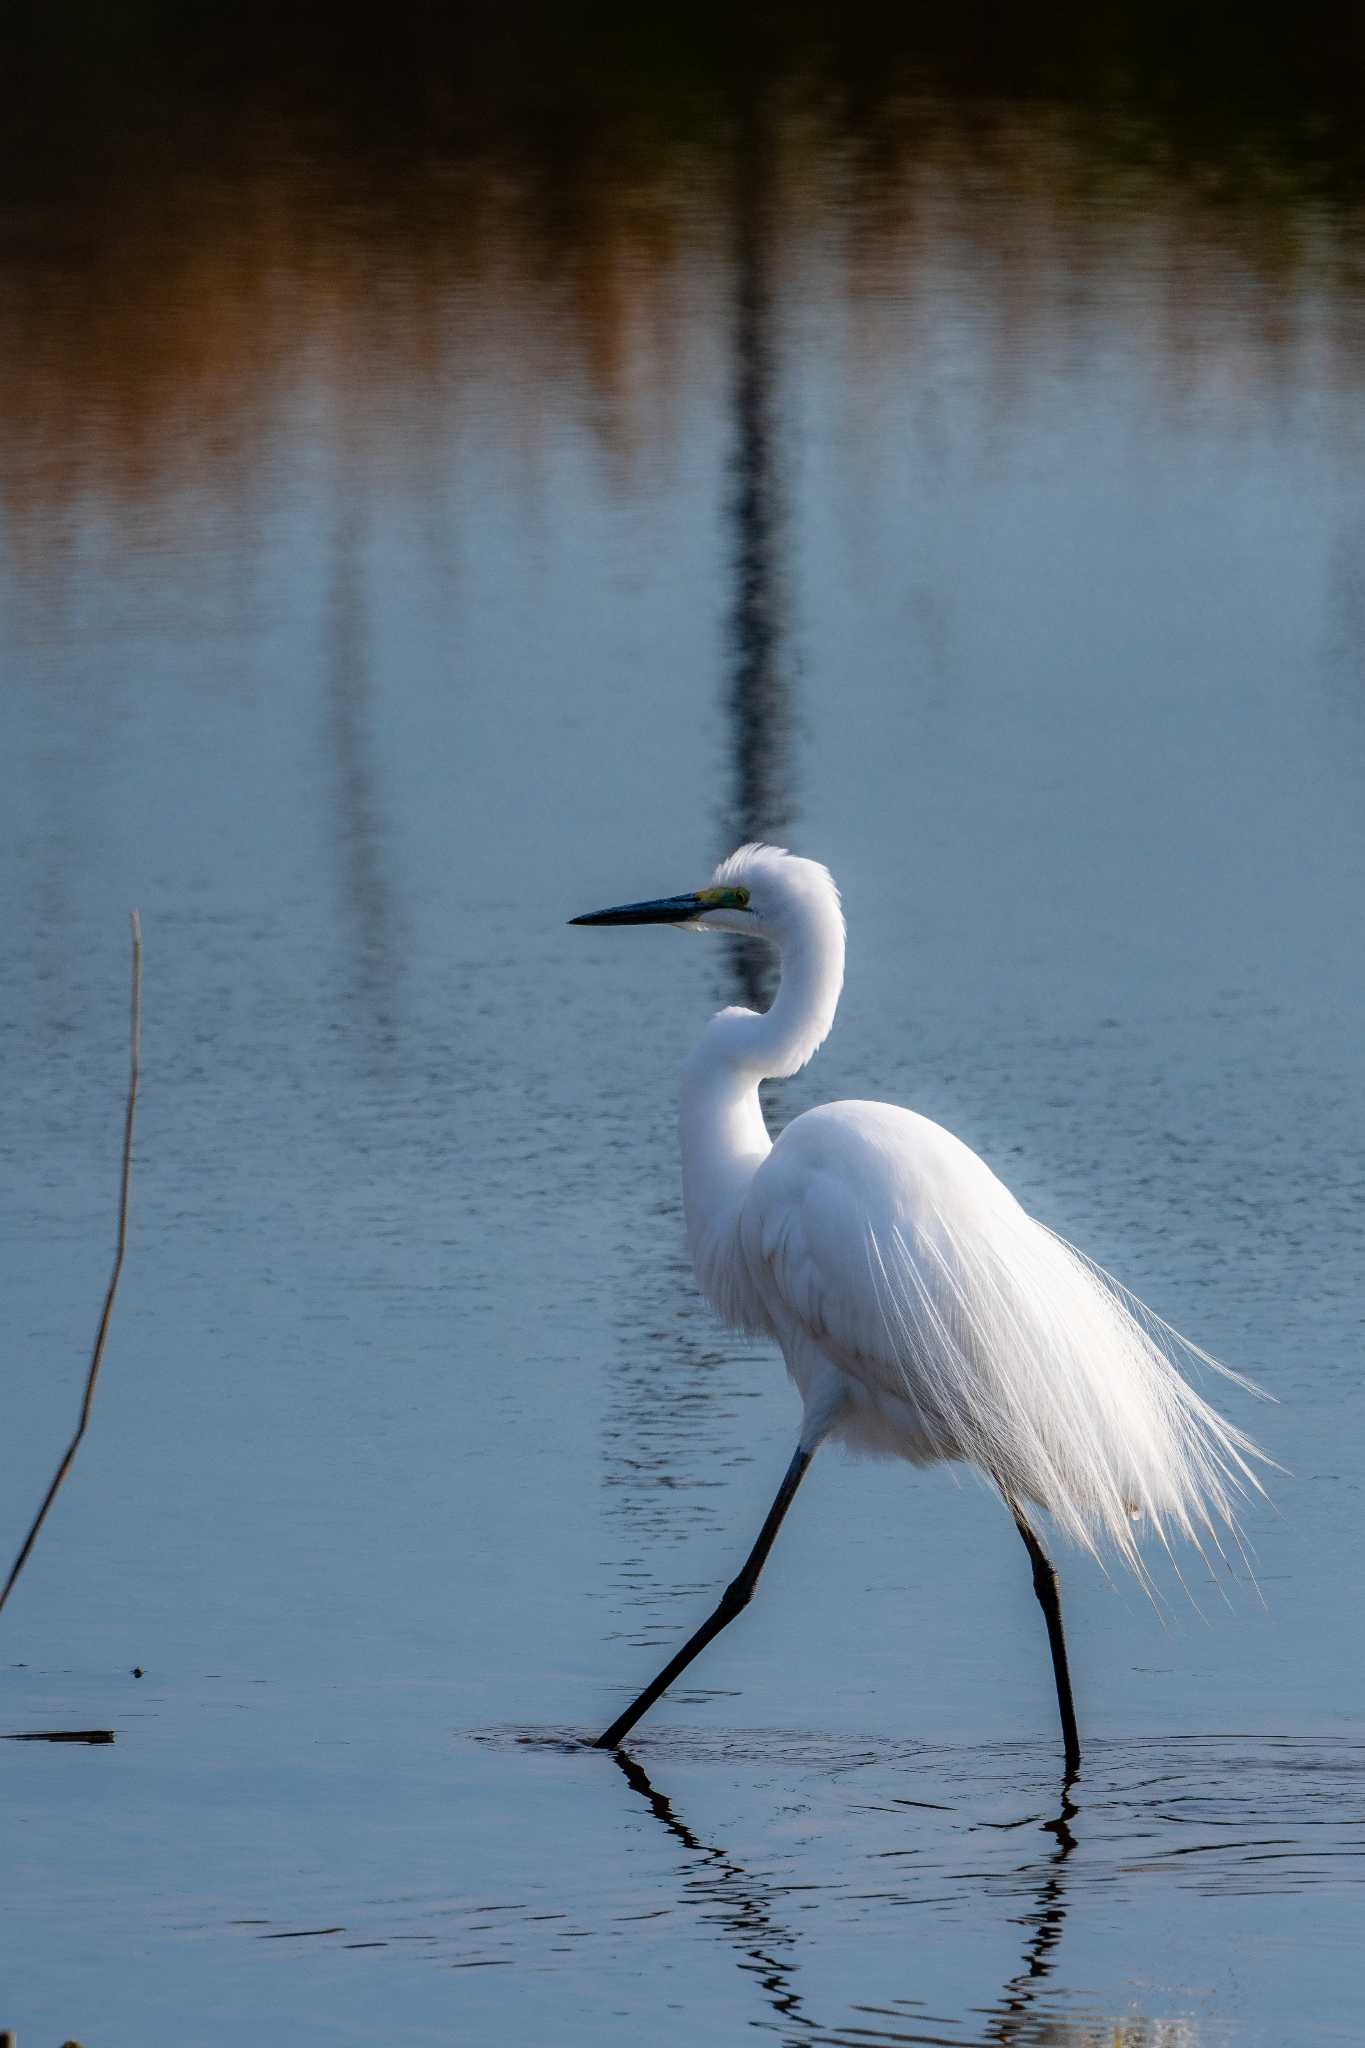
(97, 1355)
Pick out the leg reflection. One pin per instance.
(741, 1905)
(1014, 2018)
(739, 1902)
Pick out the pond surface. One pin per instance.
(425, 516)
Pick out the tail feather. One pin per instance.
(1034, 1364)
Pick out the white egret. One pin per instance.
(922, 1313)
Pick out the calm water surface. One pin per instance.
(408, 540)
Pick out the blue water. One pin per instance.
(371, 604)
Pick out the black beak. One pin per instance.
(666, 910)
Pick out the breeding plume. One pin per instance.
(921, 1312)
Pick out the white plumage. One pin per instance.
(960, 1328)
(922, 1313)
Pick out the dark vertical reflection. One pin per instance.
(760, 803)
(671, 1430)
(367, 899)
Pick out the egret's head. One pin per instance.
(763, 892)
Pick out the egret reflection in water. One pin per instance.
(742, 1907)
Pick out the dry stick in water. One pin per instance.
(97, 1355)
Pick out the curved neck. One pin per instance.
(724, 1138)
(779, 1042)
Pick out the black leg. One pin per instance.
(1048, 1587)
(733, 1601)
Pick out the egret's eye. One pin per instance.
(741, 899)
(724, 899)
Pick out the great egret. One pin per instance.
(921, 1312)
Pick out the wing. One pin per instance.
(881, 1240)
(843, 1235)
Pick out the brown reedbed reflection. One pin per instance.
(545, 216)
